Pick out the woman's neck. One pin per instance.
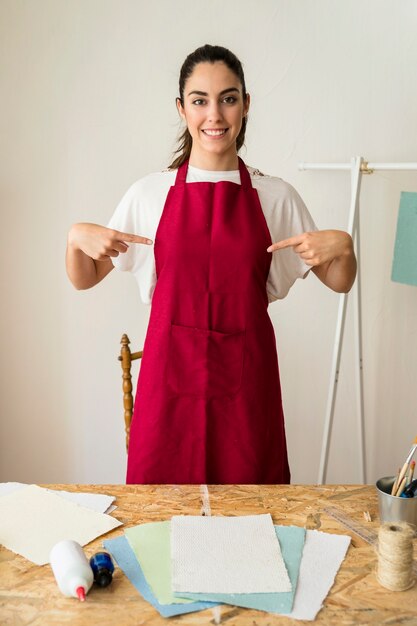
(215, 162)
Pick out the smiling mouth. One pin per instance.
(215, 132)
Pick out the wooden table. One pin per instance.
(29, 595)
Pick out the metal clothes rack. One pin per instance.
(357, 167)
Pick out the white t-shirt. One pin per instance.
(140, 210)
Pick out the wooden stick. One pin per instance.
(401, 487)
(395, 485)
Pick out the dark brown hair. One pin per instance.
(206, 54)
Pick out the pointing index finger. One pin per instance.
(134, 238)
(286, 243)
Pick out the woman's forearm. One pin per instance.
(83, 271)
(339, 273)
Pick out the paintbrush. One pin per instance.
(395, 485)
(404, 469)
(406, 481)
(401, 486)
(411, 472)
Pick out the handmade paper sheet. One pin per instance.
(291, 540)
(97, 501)
(226, 555)
(322, 556)
(33, 520)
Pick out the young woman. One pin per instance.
(227, 241)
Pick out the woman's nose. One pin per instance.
(214, 112)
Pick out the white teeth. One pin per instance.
(214, 133)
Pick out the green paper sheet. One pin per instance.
(291, 539)
(151, 545)
(404, 266)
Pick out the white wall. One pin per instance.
(87, 95)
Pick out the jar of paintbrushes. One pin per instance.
(397, 495)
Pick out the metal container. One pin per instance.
(393, 508)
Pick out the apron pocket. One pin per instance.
(205, 362)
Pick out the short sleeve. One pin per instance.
(286, 216)
(138, 213)
(125, 220)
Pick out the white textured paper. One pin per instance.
(99, 502)
(322, 556)
(226, 555)
(6, 488)
(33, 520)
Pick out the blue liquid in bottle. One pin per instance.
(103, 568)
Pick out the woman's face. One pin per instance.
(213, 111)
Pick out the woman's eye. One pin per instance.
(230, 99)
(198, 101)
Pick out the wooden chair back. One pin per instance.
(126, 357)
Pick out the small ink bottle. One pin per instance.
(103, 568)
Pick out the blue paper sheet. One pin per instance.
(291, 539)
(404, 265)
(124, 556)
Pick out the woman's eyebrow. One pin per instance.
(203, 93)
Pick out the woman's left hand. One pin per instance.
(329, 253)
(317, 247)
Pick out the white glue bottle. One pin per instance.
(71, 569)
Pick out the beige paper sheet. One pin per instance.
(33, 520)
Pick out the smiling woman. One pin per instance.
(213, 117)
(208, 407)
(214, 78)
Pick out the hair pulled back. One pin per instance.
(206, 54)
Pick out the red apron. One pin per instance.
(208, 404)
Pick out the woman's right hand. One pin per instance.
(99, 242)
(89, 251)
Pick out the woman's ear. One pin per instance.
(180, 108)
(246, 105)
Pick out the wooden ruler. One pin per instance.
(367, 534)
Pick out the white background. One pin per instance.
(87, 98)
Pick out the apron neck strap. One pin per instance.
(245, 180)
(182, 173)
